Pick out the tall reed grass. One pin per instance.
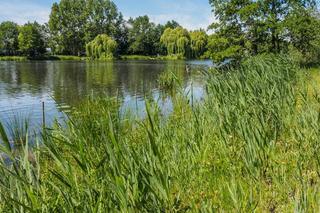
(251, 145)
(169, 81)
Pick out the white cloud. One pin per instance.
(187, 21)
(23, 12)
(191, 14)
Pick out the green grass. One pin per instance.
(137, 57)
(68, 58)
(13, 58)
(251, 145)
(45, 57)
(172, 57)
(143, 57)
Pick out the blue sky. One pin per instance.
(191, 14)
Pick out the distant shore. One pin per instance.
(83, 58)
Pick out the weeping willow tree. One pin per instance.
(177, 41)
(102, 47)
(199, 40)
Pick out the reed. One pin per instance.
(169, 81)
(251, 145)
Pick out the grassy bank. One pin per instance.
(137, 57)
(143, 57)
(42, 58)
(68, 58)
(80, 58)
(251, 145)
(13, 58)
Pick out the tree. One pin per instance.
(171, 24)
(30, 39)
(219, 49)
(176, 41)
(304, 33)
(228, 30)
(100, 17)
(252, 27)
(9, 32)
(159, 49)
(67, 25)
(73, 23)
(198, 43)
(102, 47)
(144, 36)
(121, 35)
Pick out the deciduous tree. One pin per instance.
(143, 36)
(73, 23)
(30, 38)
(250, 27)
(177, 41)
(198, 43)
(102, 47)
(9, 32)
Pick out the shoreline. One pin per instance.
(80, 58)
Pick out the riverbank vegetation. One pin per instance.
(168, 81)
(242, 29)
(250, 145)
(249, 28)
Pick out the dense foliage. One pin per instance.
(198, 43)
(102, 47)
(144, 36)
(31, 41)
(9, 33)
(177, 41)
(74, 23)
(28, 40)
(252, 27)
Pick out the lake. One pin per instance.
(62, 85)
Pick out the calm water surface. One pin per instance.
(62, 85)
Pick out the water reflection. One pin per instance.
(24, 85)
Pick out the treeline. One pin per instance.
(252, 27)
(28, 39)
(97, 29)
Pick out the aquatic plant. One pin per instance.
(168, 80)
(251, 145)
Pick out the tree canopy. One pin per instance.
(74, 23)
(198, 43)
(102, 47)
(176, 41)
(144, 36)
(171, 24)
(9, 32)
(252, 27)
(31, 42)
